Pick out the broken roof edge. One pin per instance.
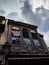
(21, 23)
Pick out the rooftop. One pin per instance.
(21, 23)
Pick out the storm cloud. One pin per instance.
(29, 15)
(39, 18)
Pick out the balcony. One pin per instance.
(2, 27)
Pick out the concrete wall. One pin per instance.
(4, 35)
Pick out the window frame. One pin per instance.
(15, 36)
(26, 35)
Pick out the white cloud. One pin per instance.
(46, 37)
(39, 19)
(38, 3)
(10, 6)
(13, 16)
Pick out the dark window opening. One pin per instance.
(25, 33)
(16, 41)
(26, 39)
(13, 41)
(34, 35)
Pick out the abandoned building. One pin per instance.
(20, 41)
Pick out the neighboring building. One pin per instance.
(48, 48)
(20, 41)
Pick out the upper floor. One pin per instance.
(21, 36)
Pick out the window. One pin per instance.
(36, 42)
(16, 41)
(26, 38)
(15, 33)
(26, 41)
(15, 36)
(25, 33)
(34, 35)
(35, 39)
(37, 45)
(13, 40)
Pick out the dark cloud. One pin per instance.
(29, 15)
(12, 15)
(2, 12)
(44, 13)
(40, 18)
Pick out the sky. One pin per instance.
(35, 12)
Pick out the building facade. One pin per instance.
(20, 41)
